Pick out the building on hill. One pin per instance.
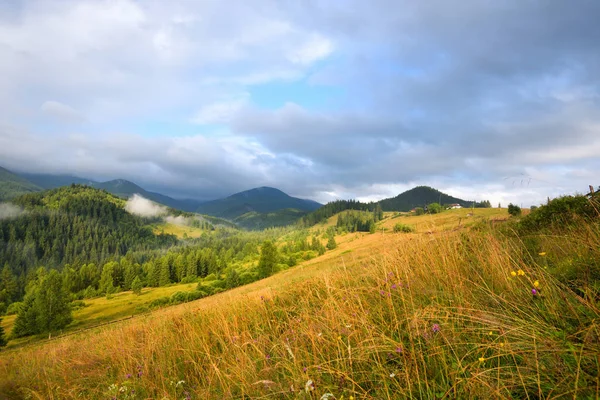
(454, 206)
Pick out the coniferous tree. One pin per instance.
(331, 244)
(137, 285)
(268, 259)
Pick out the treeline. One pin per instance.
(359, 221)
(332, 208)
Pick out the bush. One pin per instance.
(419, 211)
(434, 208)
(403, 228)
(514, 210)
(560, 211)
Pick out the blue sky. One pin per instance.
(324, 100)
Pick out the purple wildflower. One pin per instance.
(398, 349)
(304, 369)
(436, 328)
(534, 292)
(394, 286)
(382, 292)
(129, 376)
(268, 356)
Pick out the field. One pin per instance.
(455, 310)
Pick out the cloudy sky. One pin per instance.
(329, 99)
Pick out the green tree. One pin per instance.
(107, 278)
(8, 284)
(419, 211)
(331, 244)
(136, 285)
(52, 304)
(232, 279)
(514, 210)
(45, 308)
(434, 208)
(268, 259)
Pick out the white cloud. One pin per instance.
(143, 207)
(8, 210)
(316, 48)
(221, 111)
(61, 112)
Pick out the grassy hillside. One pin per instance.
(474, 310)
(257, 221)
(12, 185)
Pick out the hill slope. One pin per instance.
(260, 200)
(12, 185)
(419, 197)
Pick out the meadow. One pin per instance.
(465, 307)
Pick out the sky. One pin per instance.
(326, 100)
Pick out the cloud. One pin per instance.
(8, 211)
(143, 207)
(61, 112)
(320, 99)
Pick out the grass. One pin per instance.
(400, 316)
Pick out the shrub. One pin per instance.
(514, 210)
(403, 228)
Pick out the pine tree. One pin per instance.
(331, 244)
(137, 286)
(268, 259)
(232, 279)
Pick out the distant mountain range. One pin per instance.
(118, 187)
(255, 208)
(12, 185)
(259, 200)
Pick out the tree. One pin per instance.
(2, 337)
(45, 308)
(232, 279)
(419, 211)
(514, 210)
(434, 208)
(499, 205)
(107, 278)
(268, 259)
(137, 286)
(331, 244)
(8, 284)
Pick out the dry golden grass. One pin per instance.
(398, 316)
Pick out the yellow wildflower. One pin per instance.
(536, 284)
(491, 333)
(481, 359)
(501, 344)
(543, 253)
(513, 273)
(521, 272)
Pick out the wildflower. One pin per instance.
(491, 333)
(520, 272)
(339, 338)
(392, 375)
(304, 369)
(536, 284)
(382, 292)
(180, 383)
(309, 386)
(128, 376)
(398, 349)
(394, 286)
(268, 356)
(543, 253)
(481, 359)
(501, 344)
(436, 328)
(513, 274)
(534, 292)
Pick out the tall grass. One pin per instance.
(441, 316)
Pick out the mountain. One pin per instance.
(259, 221)
(48, 181)
(259, 200)
(419, 197)
(12, 185)
(118, 187)
(126, 189)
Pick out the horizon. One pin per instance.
(322, 100)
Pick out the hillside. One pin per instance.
(467, 311)
(258, 221)
(420, 196)
(12, 185)
(259, 200)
